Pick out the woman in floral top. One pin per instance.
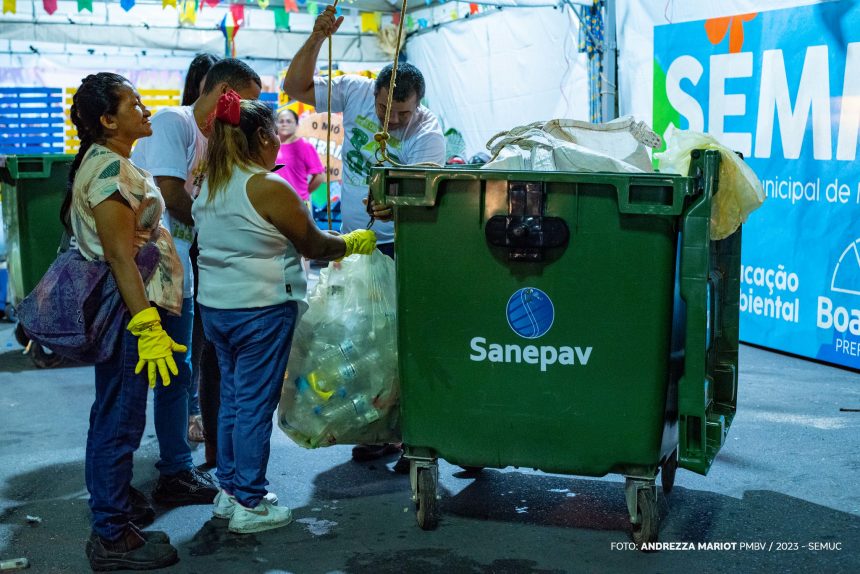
(113, 208)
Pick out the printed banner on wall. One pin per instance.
(783, 88)
(314, 128)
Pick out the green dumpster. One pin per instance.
(32, 188)
(576, 323)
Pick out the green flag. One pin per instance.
(282, 18)
(85, 5)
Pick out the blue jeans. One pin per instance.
(253, 346)
(170, 408)
(117, 419)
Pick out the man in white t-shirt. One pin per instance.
(416, 135)
(175, 156)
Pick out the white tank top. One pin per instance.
(244, 260)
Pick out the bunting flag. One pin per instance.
(302, 2)
(229, 27)
(473, 8)
(313, 9)
(282, 18)
(188, 13)
(85, 5)
(370, 22)
(238, 12)
(10, 6)
(290, 6)
(126, 4)
(454, 14)
(212, 3)
(422, 23)
(263, 4)
(166, 3)
(50, 6)
(410, 22)
(395, 18)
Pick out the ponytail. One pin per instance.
(234, 142)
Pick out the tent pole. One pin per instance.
(609, 85)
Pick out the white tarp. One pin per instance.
(636, 21)
(491, 73)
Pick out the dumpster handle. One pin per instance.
(648, 196)
(21, 167)
(431, 188)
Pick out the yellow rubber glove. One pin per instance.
(361, 241)
(155, 348)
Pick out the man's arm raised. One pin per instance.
(299, 80)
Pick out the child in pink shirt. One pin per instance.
(299, 158)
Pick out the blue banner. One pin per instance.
(783, 88)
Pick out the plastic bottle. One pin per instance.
(332, 369)
(344, 416)
(304, 418)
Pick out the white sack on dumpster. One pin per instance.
(571, 145)
(341, 385)
(739, 192)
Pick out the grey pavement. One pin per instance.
(787, 477)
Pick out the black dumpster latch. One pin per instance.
(526, 231)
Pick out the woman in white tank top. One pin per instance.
(252, 231)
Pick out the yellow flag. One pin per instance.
(10, 6)
(166, 3)
(188, 14)
(370, 21)
(263, 4)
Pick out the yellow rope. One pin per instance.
(381, 138)
(328, 134)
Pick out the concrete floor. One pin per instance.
(789, 474)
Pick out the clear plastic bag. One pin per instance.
(341, 384)
(739, 192)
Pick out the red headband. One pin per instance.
(229, 108)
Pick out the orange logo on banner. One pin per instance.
(716, 28)
(314, 127)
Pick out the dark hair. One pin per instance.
(200, 65)
(98, 94)
(295, 115)
(409, 81)
(236, 73)
(236, 146)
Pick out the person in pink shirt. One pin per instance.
(299, 158)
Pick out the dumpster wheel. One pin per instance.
(427, 511)
(648, 519)
(667, 472)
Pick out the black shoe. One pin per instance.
(142, 513)
(153, 536)
(366, 452)
(130, 552)
(187, 487)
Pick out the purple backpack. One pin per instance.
(76, 310)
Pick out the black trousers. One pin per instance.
(205, 370)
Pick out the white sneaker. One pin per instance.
(225, 504)
(265, 516)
